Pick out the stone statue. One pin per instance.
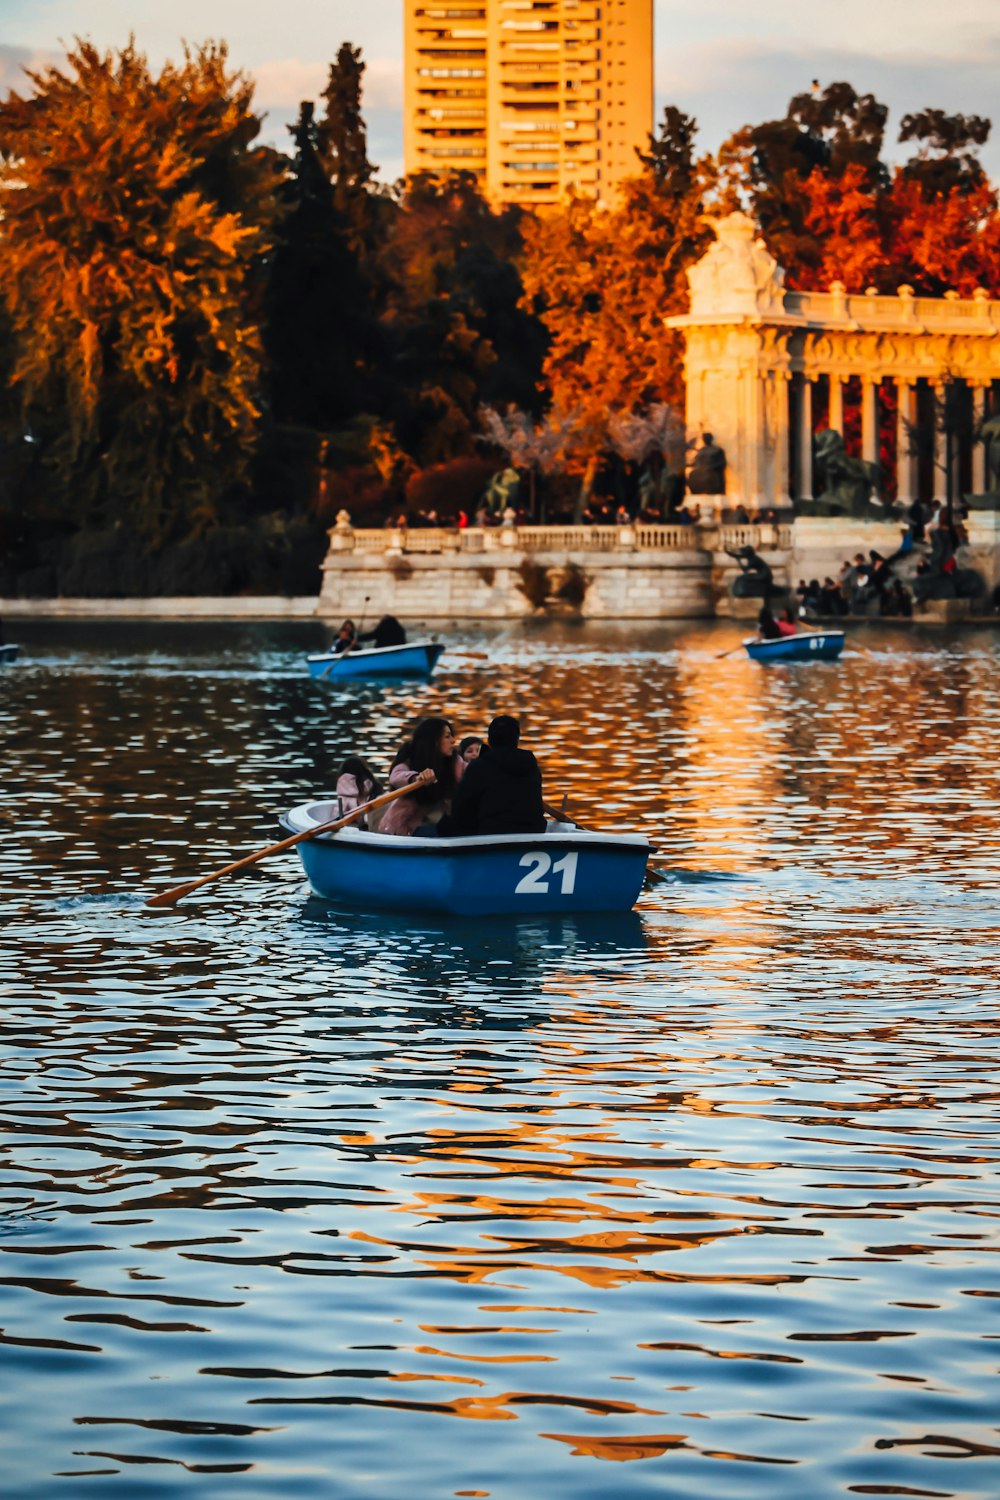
(738, 275)
(707, 475)
(502, 491)
(848, 482)
(755, 579)
(989, 434)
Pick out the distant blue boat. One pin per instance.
(808, 645)
(561, 870)
(412, 660)
(8, 653)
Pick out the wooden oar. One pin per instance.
(720, 655)
(171, 897)
(653, 876)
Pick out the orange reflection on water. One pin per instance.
(619, 1449)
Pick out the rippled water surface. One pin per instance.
(699, 1201)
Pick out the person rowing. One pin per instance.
(770, 628)
(345, 639)
(431, 747)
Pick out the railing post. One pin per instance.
(508, 529)
(342, 534)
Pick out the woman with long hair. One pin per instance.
(431, 747)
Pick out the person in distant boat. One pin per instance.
(388, 632)
(345, 638)
(356, 783)
(786, 622)
(431, 748)
(767, 625)
(501, 792)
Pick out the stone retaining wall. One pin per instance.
(511, 585)
(181, 607)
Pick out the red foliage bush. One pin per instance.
(359, 490)
(451, 487)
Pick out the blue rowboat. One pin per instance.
(561, 870)
(413, 660)
(8, 653)
(808, 645)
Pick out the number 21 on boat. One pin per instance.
(538, 865)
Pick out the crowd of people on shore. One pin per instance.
(476, 785)
(598, 513)
(933, 533)
(681, 512)
(860, 580)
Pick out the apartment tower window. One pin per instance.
(537, 98)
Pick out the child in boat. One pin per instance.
(786, 623)
(431, 747)
(356, 783)
(469, 748)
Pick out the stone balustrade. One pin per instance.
(637, 537)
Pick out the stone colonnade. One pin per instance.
(761, 361)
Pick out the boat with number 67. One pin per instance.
(806, 645)
(564, 869)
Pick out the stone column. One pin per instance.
(753, 440)
(940, 445)
(869, 420)
(836, 418)
(781, 381)
(906, 461)
(804, 477)
(978, 449)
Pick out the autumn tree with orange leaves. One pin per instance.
(602, 279)
(136, 216)
(831, 210)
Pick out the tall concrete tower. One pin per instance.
(538, 98)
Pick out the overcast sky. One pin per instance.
(727, 62)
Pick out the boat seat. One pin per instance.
(324, 812)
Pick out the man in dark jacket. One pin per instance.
(501, 792)
(388, 632)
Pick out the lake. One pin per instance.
(701, 1200)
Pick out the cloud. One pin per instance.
(283, 84)
(14, 60)
(731, 83)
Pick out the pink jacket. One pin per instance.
(350, 795)
(405, 815)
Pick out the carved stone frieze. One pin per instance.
(747, 338)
